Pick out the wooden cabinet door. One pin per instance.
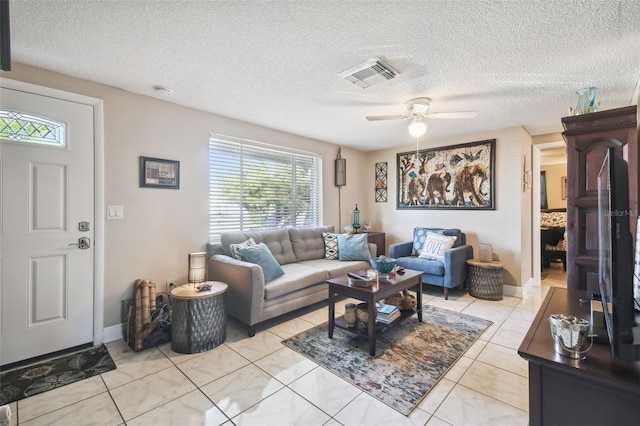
(587, 137)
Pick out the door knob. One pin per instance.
(83, 243)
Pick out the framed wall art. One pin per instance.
(159, 173)
(452, 177)
(563, 187)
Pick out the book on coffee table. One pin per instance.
(387, 313)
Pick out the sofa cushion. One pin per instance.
(435, 246)
(330, 245)
(235, 248)
(277, 240)
(260, 255)
(420, 236)
(353, 247)
(307, 243)
(336, 268)
(296, 277)
(428, 266)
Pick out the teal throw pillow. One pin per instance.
(353, 247)
(261, 255)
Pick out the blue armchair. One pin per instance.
(448, 273)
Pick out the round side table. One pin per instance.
(199, 318)
(485, 279)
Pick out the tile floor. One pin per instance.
(554, 276)
(258, 381)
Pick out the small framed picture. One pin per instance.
(563, 187)
(159, 173)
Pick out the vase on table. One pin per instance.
(486, 252)
(350, 315)
(586, 101)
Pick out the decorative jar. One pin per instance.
(362, 312)
(350, 315)
(486, 252)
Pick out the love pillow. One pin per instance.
(435, 245)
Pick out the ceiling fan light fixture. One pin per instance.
(417, 127)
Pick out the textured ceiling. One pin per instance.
(275, 63)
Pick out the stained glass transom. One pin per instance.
(19, 127)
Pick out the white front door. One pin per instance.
(47, 206)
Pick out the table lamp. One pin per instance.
(197, 267)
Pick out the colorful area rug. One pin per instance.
(410, 359)
(46, 375)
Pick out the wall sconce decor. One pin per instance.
(340, 180)
(381, 182)
(341, 170)
(526, 176)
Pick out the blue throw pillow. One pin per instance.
(353, 247)
(261, 255)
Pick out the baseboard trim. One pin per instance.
(112, 333)
(514, 291)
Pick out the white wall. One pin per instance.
(160, 226)
(507, 228)
(553, 175)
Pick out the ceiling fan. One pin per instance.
(417, 109)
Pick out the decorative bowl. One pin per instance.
(383, 265)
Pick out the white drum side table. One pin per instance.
(199, 318)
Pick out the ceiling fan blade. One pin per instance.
(459, 114)
(387, 117)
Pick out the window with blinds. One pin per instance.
(254, 186)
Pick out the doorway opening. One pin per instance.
(549, 213)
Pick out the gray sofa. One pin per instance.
(301, 254)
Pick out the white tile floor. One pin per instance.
(258, 381)
(554, 276)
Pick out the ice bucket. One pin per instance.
(570, 335)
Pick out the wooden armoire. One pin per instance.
(587, 137)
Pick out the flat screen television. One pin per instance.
(616, 263)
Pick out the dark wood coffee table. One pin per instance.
(379, 290)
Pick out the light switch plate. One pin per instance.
(115, 212)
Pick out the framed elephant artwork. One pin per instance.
(451, 177)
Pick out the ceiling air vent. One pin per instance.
(372, 72)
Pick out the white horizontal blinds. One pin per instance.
(225, 186)
(308, 191)
(257, 187)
